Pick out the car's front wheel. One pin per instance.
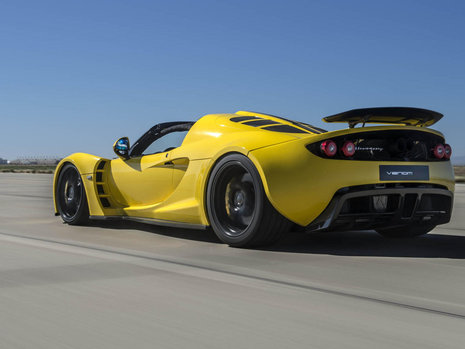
(239, 211)
(406, 231)
(71, 197)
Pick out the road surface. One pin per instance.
(127, 285)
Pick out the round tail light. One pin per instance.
(439, 151)
(329, 148)
(348, 148)
(447, 151)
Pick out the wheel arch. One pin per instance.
(217, 159)
(265, 225)
(85, 164)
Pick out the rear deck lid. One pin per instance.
(387, 115)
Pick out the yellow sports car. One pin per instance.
(252, 176)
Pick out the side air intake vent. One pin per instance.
(105, 202)
(101, 185)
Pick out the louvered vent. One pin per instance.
(101, 185)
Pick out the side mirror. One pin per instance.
(121, 148)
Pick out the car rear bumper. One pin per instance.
(300, 185)
(385, 205)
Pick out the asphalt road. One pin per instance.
(126, 285)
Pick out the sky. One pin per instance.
(77, 75)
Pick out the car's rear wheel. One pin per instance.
(239, 211)
(71, 197)
(406, 231)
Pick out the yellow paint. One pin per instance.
(172, 185)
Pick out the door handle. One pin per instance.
(169, 163)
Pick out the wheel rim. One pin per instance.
(234, 199)
(69, 193)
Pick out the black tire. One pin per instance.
(71, 197)
(238, 209)
(406, 231)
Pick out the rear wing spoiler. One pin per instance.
(387, 115)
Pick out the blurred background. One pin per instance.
(76, 75)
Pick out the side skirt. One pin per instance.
(154, 221)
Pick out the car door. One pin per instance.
(143, 180)
(146, 177)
